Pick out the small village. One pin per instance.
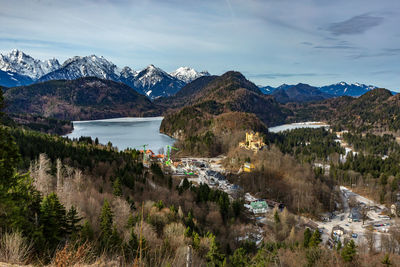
(356, 217)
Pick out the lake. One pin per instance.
(291, 126)
(124, 132)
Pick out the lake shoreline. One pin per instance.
(124, 132)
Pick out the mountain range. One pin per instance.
(333, 90)
(19, 69)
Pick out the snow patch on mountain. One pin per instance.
(151, 81)
(88, 66)
(187, 74)
(18, 62)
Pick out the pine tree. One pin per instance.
(87, 233)
(239, 258)
(339, 245)
(315, 239)
(53, 220)
(106, 222)
(386, 260)
(19, 201)
(349, 251)
(196, 240)
(214, 257)
(117, 188)
(115, 240)
(73, 220)
(277, 220)
(133, 240)
(307, 237)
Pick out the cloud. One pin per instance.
(383, 53)
(355, 25)
(334, 47)
(287, 75)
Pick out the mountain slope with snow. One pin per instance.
(21, 69)
(89, 66)
(187, 74)
(342, 88)
(18, 62)
(154, 82)
(12, 79)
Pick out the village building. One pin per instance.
(248, 167)
(259, 206)
(253, 141)
(355, 215)
(338, 231)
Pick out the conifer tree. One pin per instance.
(87, 233)
(73, 220)
(339, 245)
(239, 258)
(214, 257)
(349, 251)
(53, 220)
(315, 239)
(109, 237)
(196, 240)
(117, 187)
(307, 237)
(277, 220)
(106, 222)
(386, 260)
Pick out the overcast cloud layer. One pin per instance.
(270, 41)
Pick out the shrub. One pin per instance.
(14, 248)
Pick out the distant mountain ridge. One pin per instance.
(343, 88)
(21, 69)
(299, 93)
(334, 90)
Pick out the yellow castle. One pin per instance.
(253, 142)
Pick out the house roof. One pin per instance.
(259, 205)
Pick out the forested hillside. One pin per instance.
(80, 99)
(375, 111)
(226, 100)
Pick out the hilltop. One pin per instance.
(80, 99)
(217, 110)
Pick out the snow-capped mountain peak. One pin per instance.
(21, 69)
(153, 81)
(350, 89)
(23, 64)
(86, 66)
(150, 76)
(127, 72)
(187, 74)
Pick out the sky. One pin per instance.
(271, 42)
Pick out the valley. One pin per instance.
(227, 168)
